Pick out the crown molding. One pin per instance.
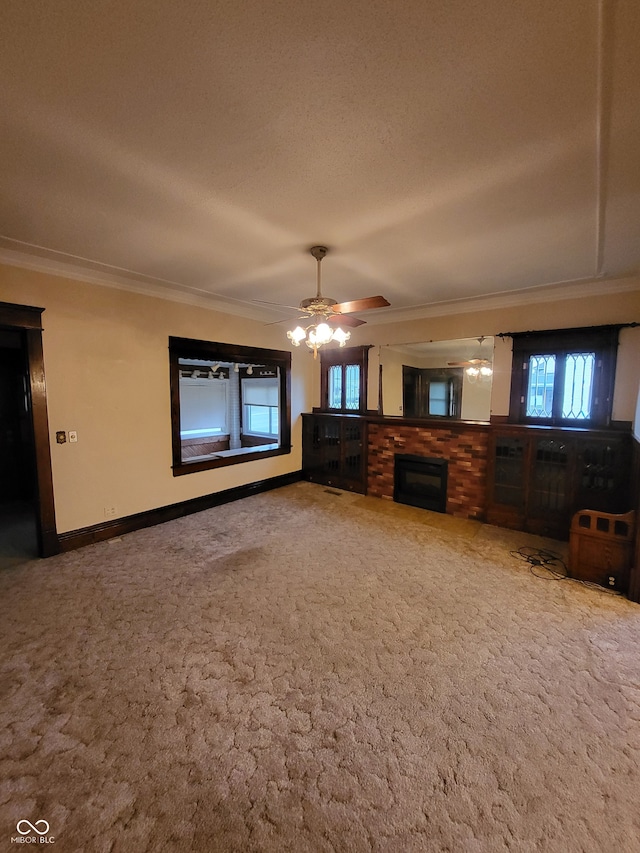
(556, 292)
(38, 259)
(104, 276)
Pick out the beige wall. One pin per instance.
(107, 375)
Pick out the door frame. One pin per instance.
(28, 320)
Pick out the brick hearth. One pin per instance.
(464, 448)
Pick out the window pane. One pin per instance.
(578, 385)
(438, 398)
(335, 386)
(352, 387)
(542, 370)
(261, 420)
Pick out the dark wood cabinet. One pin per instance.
(540, 477)
(334, 451)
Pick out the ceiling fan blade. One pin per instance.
(288, 320)
(277, 304)
(344, 320)
(360, 305)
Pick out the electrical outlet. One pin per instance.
(110, 512)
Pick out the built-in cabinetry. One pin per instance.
(539, 477)
(528, 478)
(334, 451)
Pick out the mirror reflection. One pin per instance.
(438, 379)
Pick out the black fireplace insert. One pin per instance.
(420, 481)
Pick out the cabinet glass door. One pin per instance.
(508, 484)
(549, 492)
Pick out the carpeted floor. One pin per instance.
(312, 671)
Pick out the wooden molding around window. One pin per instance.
(602, 340)
(344, 355)
(188, 348)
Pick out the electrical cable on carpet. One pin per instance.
(553, 565)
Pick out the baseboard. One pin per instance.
(118, 526)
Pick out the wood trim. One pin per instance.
(634, 574)
(28, 320)
(602, 340)
(186, 348)
(118, 527)
(47, 536)
(343, 356)
(20, 316)
(192, 348)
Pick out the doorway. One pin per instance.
(27, 517)
(18, 532)
(431, 392)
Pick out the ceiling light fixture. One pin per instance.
(479, 372)
(318, 333)
(481, 369)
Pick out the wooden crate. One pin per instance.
(601, 547)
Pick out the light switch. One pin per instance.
(73, 436)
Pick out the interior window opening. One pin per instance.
(230, 407)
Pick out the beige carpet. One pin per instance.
(307, 671)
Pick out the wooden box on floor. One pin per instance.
(601, 548)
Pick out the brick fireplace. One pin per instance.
(463, 446)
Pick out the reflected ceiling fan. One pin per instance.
(327, 315)
(476, 367)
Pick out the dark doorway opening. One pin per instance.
(431, 392)
(27, 511)
(18, 510)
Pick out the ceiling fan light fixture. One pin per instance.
(318, 335)
(324, 309)
(479, 372)
(341, 336)
(297, 335)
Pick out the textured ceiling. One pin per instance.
(442, 150)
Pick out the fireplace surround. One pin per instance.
(420, 481)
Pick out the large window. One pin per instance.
(229, 404)
(260, 398)
(344, 379)
(564, 377)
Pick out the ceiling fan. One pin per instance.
(476, 367)
(327, 315)
(328, 307)
(471, 362)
